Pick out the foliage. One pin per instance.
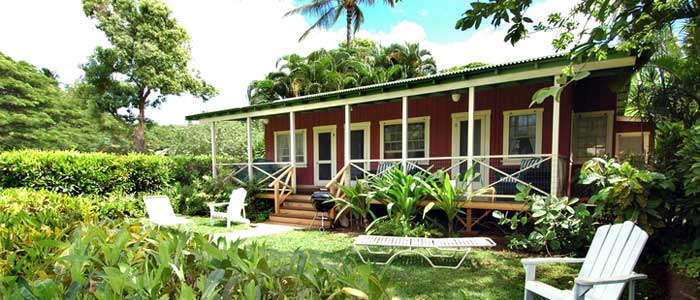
(147, 61)
(556, 223)
(449, 198)
(668, 87)
(357, 202)
(402, 194)
(195, 140)
(331, 70)
(329, 11)
(632, 25)
(627, 193)
(106, 262)
(686, 258)
(471, 65)
(83, 173)
(36, 113)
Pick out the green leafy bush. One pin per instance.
(627, 193)
(186, 169)
(686, 258)
(449, 198)
(357, 202)
(84, 173)
(133, 262)
(551, 223)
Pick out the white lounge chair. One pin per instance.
(235, 212)
(160, 211)
(397, 246)
(608, 266)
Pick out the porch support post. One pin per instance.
(404, 132)
(470, 132)
(346, 142)
(213, 150)
(292, 150)
(554, 176)
(250, 148)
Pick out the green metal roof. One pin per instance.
(445, 77)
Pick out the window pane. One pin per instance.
(324, 172)
(416, 140)
(324, 146)
(522, 134)
(282, 147)
(357, 144)
(590, 138)
(631, 145)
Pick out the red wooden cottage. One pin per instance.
(480, 116)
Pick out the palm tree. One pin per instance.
(329, 11)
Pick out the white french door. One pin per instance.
(324, 154)
(482, 125)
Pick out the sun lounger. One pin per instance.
(425, 247)
(160, 211)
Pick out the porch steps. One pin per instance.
(298, 210)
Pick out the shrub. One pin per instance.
(449, 198)
(83, 173)
(186, 169)
(686, 258)
(556, 224)
(627, 193)
(357, 202)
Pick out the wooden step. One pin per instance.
(297, 219)
(301, 212)
(293, 197)
(306, 205)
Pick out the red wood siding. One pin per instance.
(589, 95)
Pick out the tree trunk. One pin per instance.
(348, 25)
(140, 134)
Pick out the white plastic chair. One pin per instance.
(160, 211)
(235, 212)
(608, 266)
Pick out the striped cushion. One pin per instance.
(534, 162)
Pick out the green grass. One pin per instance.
(201, 225)
(486, 274)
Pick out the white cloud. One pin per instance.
(233, 43)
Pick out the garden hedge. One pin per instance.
(77, 173)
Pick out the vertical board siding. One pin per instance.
(588, 95)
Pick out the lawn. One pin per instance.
(201, 225)
(487, 274)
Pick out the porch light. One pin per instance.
(456, 96)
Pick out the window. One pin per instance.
(632, 143)
(592, 135)
(282, 146)
(522, 132)
(418, 138)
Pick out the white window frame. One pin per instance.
(367, 128)
(424, 119)
(299, 164)
(608, 132)
(485, 117)
(323, 129)
(645, 136)
(506, 132)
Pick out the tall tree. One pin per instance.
(147, 61)
(329, 11)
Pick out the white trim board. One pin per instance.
(459, 85)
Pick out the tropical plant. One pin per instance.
(449, 197)
(147, 61)
(357, 202)
(627, 193)
(329, 11)
(408, 61)
(551, 223)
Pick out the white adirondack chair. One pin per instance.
(608, 266)
(160, 211)
(235, 212)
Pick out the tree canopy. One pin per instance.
(147, 61)
(592, 28)
(329, 70)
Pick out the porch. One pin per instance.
(479, 118)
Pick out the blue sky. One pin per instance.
(438, 17)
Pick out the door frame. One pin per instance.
(485, 117)
(325, 129)
(367, 128)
